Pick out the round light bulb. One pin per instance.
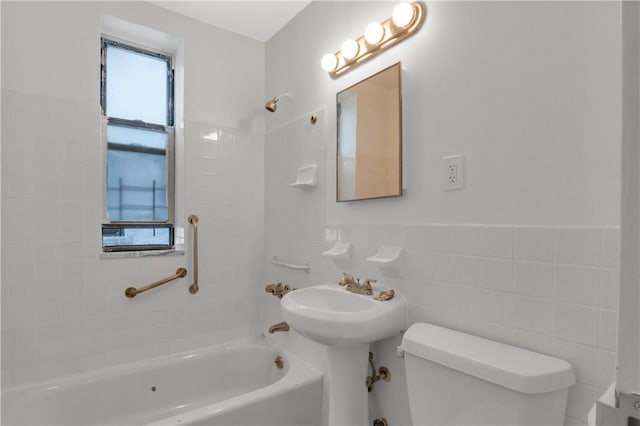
(329, 62)
(402, 15)
(373, 33)
(350, 49)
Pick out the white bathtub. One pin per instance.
(231, 384)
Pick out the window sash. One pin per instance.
(170, 155)
(115, 228)
(107, 223)
(170, 77)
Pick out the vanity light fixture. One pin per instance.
(329, 62)
(350, 49)
(402, 15)
(374, 33)
(406, 19)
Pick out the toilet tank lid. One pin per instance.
(513, 368)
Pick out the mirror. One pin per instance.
(369, 155)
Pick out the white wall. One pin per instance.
(63, 307)
(533, 110)
(628, 375)
(530, 93)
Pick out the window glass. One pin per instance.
(131, 236)
(137, 86)
(136, 188)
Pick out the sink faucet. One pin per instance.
(353, 285)
(367, 285)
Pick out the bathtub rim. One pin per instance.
(298, 375)
(148, 363)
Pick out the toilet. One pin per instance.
(454, 378)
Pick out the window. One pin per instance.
(137, 107)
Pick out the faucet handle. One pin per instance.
(272, 288)
(367, 283)
(346, 279)
(385, 295)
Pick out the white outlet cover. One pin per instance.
(453, 172)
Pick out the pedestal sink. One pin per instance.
(345, 323)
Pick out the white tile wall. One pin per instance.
(548, 289)
(533, 279)
(534, 244)
(63, 308)
(294, 217)
(532, 314)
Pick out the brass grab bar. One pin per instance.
(132, 291)
(193, 219)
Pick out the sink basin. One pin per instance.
(331, 315)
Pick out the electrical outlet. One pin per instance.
(453, 172)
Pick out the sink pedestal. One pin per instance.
(345, 323)
(348, 395)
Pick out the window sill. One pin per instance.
(145, 253)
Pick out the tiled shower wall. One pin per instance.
(63, 307)
(291, 213)
(63, 304)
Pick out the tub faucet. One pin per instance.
(353, 284)
(281, 326)
(278, 289)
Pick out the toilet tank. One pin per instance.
(454, 378)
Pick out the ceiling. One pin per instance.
(259, 20)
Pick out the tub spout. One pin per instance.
(281, 326)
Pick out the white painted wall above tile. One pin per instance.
(535, 123)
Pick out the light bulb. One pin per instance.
(329, 62)
(402, 15)
(373, 33)
(350, 49)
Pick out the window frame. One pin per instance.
(169, 130)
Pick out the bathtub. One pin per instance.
(232, 384)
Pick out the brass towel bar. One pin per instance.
(132, 291)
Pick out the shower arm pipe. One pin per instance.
(133, 292)
(193, 220)
(288, 95)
